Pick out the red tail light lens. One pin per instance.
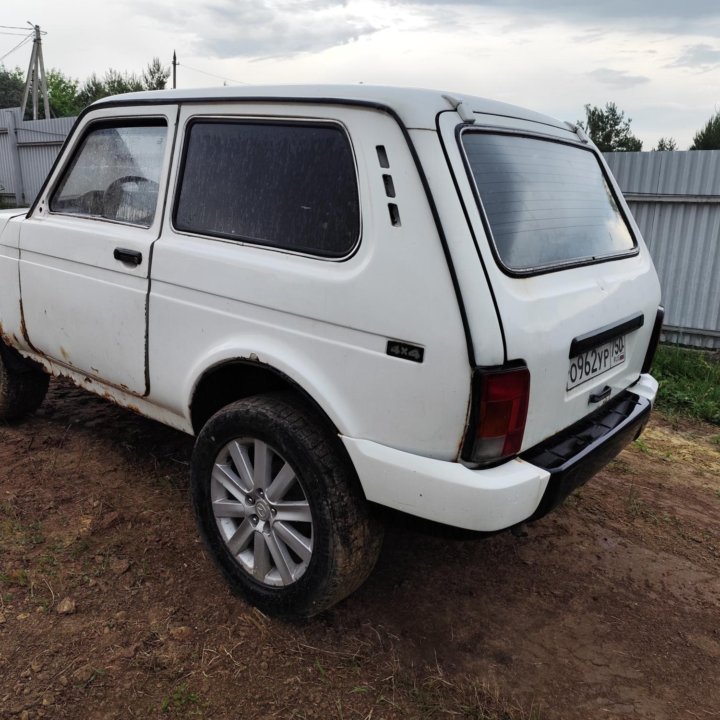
(501, 405)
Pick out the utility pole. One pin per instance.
(174, 64)
(36, 78)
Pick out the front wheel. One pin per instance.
(280, 506)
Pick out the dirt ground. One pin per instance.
(609, 608)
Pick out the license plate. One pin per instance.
(596, 361)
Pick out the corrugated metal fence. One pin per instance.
(27, 151)
(675, 198)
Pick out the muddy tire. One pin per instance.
(280, 506)
(22, 386)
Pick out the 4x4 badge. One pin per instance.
(405, 351)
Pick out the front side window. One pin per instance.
(288, 186)
(547, 203)
(114, 174)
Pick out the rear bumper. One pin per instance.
(579, 452)
(524, 488)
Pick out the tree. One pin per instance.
(609, 129)
(68, 97)
(117, 83)
(155, 75)
(112, 83)
(92, 89)
(708, 138)
(12, 85)
(63, 92)
(668, 143)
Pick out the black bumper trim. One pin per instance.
(573, 456)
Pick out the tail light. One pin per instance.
(498, 415)
(654, 340)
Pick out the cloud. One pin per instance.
(701, 57)
(591, 35)
(617, 78)
(257, 28)
(668, 15)
(282, 28)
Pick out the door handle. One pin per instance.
(132, 257)
(601, 395)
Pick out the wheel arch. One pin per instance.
(236, 378)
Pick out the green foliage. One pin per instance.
(708, 138)
(664, 143)
(68, 96)
(689, 383)
(609, 129)
(182, 700)
(12, 84)
(92, 89)
(63, 92)
(117, 83)
(155, 75)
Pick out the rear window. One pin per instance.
(286, 186)
(546, 203)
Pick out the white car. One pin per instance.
(352, 296)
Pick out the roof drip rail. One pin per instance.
(579, 132)
(465, 113)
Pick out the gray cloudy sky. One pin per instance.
(659, 60)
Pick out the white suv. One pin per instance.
(352, 296)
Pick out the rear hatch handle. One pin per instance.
(601, 395)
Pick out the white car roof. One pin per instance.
(416, 107)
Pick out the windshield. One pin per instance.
(547, 203)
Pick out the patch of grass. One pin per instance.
(689, 383)
(14, 578)
(48, 563)
(436, 696)
(12, 530)
(619, 467)
(637, 508)
(182, 700)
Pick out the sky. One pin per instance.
(658, 60)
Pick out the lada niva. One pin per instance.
(352, 297)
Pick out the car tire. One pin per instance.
(280, 506)
(23, 386)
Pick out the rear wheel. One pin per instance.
(22, 386)
(280, 506)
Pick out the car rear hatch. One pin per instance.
(575, 288)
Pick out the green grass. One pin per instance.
(182, 701)
(689, 383)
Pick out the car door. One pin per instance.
(85, 248)
(575, 287)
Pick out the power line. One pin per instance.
(18, 46)
(219, 77)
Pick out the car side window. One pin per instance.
(114, 174)
(285, 185)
